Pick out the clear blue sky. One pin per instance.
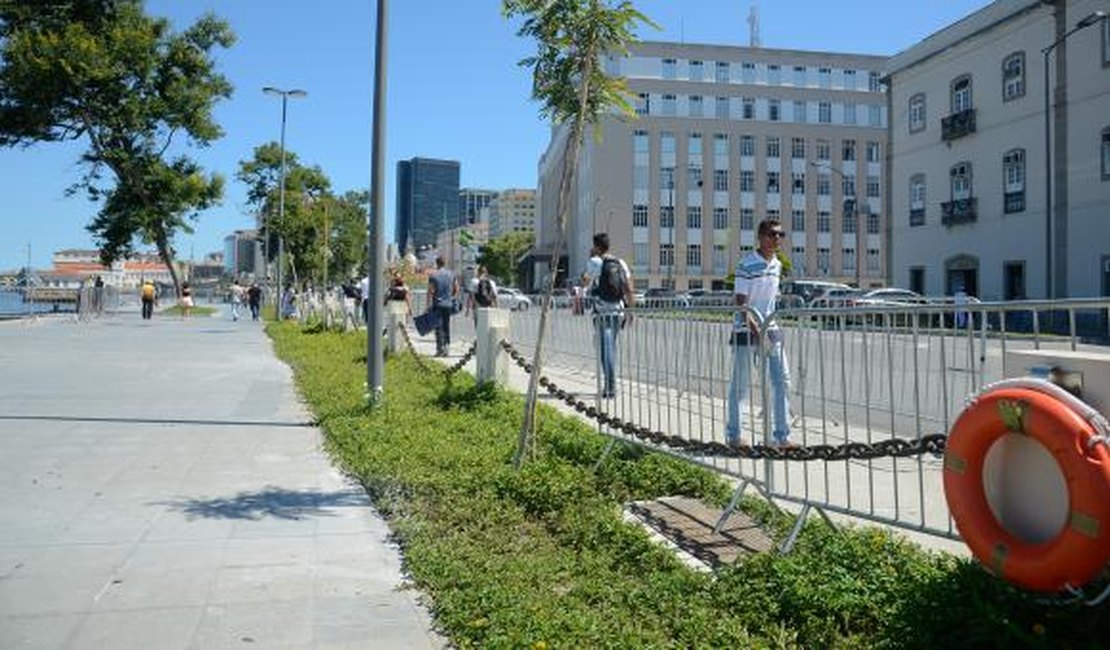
(455, 92)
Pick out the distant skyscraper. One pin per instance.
(427, 200)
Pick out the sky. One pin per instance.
(455, 91)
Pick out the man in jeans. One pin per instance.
(610, 286)
(443, 291)
(757, 287)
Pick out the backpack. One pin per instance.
(484, 294)
(610, 281)
(148, 292)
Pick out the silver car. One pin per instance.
(512, 299)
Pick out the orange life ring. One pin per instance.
(1081, 550)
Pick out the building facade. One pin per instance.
(474, 205)
(725, 137)
(243, 254)
(514, 210)
(968, 155)
(459, 245)
(72, 265)
(428, 201)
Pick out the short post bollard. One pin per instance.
(491, 361)
(395, 314)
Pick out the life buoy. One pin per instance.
(1082, 549)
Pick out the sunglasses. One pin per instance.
(778, 234)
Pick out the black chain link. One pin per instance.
(447, 372)
(894, 447)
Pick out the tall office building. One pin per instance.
(727, 136)
(514, 210)
(427, 201)
(474, 205)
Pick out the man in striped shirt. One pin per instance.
(757, 287)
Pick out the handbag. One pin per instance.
(426, 322)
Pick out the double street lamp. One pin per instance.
(285, 95)
(1094, 18)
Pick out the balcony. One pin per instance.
(917, 217)
(1013, 202)
(953, 213)
(957, 125)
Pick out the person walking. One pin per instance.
(254, 300)
(610, 286)
(443, 295)
(237, 294)
(148, 294)
(399, 292)
(758, 275)
(186, 300)
(484, 294)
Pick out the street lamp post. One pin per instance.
(375, 245)
(670, 232)
(285, 95)
(1091, 19)
(852, 212)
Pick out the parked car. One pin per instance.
(837, 298)
(810, 290)
(512, 299)
(663, 298)
(710, 298)
(891, 296)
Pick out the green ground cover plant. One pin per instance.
(193, 312)
(541, 558)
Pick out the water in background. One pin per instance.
(11, 304)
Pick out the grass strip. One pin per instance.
(542, 559)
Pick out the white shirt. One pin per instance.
(364, 287)
(758, 279)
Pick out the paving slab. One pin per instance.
(164, 487)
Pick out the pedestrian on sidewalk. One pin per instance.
(399, 292)
(443, 299)
(237, 294)
(758, 275)
(352, 302)
(186, 300)
(148, 294)
(484, 293)
(254, 299)
(610, 286)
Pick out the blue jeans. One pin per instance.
(741, 378)
(608, 325)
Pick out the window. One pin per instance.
(666, 216)
(720, 218)
(799, 75)
(772, 182)
(849, 113)
(670, 67)
(720, 145)
(797, 147)
(747, 145)
(640, 141)
(774, 110)
(666, 142)
(1105, 42)
(720, 180)
(917, 200)
(1106, 145)
(873, 261)
(693, 217)
(694, 284)
(1013, 76)
(747, 180)
(800, 112)
(872, 223)
(722, 72)
(666, 254)
(872, 186)
(848, 260)
(639, 216)
(666, 178)
(773, 146)
(747, 110)
(720, 259)
(640, 256)
(798, 183)
(917, 113)
(640, 177)
(798, 257)
(1013, 181)
(774, 74)
(849, 79)
(773, 214)
(693, 255)
(824, 221)
(848, 150)
(798, 221)
(747, 71)
(747, 219)
(874, 115)
(823, 258)
(824, 77)
(1013, 280)
(848, 223)
(824, 112)
(960, 177)
(696, 70)
(874, 83)
(823, 150)
(917, 279)
(669, 105)
(643, 104)
(696, 109)
(694, 143)
(722, 108)
(824, 184)
(872, 151)
(693, 176)
(961, 94)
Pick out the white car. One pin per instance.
(512, 299)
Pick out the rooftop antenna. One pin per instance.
(753, 26)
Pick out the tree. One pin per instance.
(105, 72)
(500, 255)
(569, 82)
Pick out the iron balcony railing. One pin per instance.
(959, 211)
(957, 125)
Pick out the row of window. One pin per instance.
(773, 146)
(774, 181)
(721, 221)
(720, 263)
(772, 74)
(751, 108)
(1013, 279)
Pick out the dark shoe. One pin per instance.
(608, 394)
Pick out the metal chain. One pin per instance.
(447, 372)
(894, 447)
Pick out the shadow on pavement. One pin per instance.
(271, 502)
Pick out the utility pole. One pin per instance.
(375, 348)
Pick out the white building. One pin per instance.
(967, 164)
(514, 210)
(725, 137)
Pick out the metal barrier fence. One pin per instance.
(856, 377)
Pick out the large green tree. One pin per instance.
(500, 255)
(104, 72)
(573, 89)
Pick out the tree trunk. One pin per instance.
(163, 244)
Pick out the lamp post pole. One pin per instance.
(853, 215)
(375, 345)
(1091, 19)
(670, 234)
(285, 95)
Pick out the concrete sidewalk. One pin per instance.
(163, 488)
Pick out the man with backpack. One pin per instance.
(610, 287)
(483, 293)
